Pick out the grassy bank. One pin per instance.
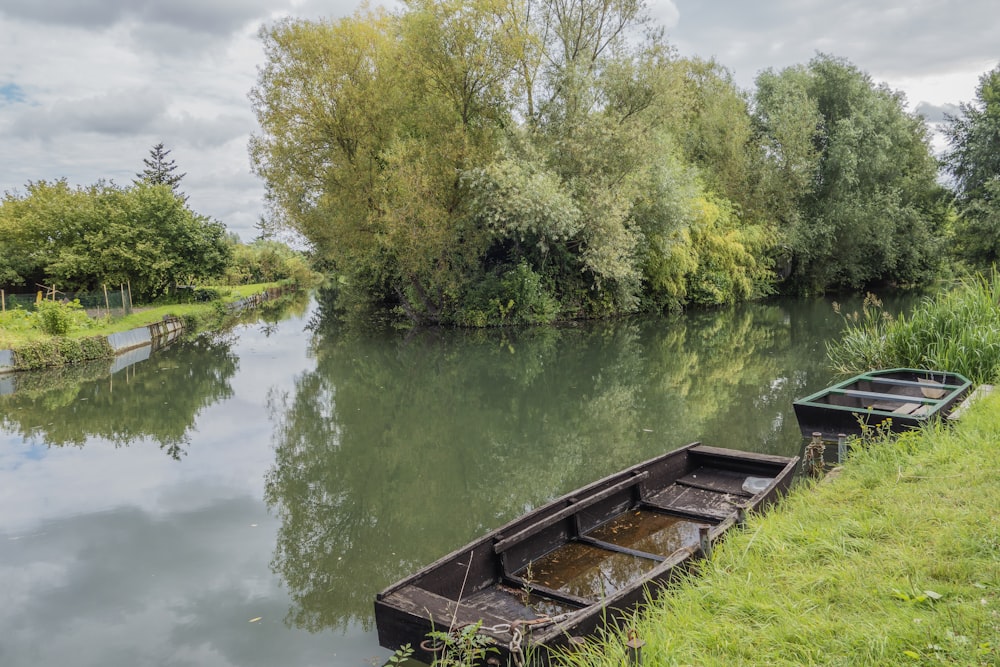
(85, 338)
(956, 330)
(896, 561)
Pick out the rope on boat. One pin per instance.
(517, 636)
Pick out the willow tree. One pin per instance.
(368, 123)
(855, 177)
(485, 162)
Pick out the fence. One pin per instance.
(96, 303)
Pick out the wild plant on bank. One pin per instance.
(957, 330)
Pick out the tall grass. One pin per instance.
(957, 331)
(894, 562)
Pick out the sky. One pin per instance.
(88, 87)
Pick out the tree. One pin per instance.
(80, 237)
(974, 162)
(854, 176)
(974, 137)
(368, 124)
(159, 170)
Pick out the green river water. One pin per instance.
(238, 499)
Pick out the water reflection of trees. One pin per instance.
(158, 398)
(400, 447)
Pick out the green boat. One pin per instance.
(902, 398)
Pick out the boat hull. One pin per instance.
(898, 399)
(581, 561)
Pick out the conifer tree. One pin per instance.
(159, 170)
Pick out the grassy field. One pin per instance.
(19, 328)
(894, 561)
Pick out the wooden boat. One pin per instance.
(579, 561)
(907, 396)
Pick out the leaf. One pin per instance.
(912, 654)
(255, 619)
(932, 595)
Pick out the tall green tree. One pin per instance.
(159, 170)
(392, 109)
(974, 162)
(79, 238)
(974, 138)
(869, 209)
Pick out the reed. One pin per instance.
(957, 330)
(896, 561)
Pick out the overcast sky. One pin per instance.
(87, 87)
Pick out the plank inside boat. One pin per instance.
(515, 603)
(586, 571)
(680, 498)
(717, 480)
(652, 532)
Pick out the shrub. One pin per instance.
(516, 297)
(58, 318)
(36, 354)
(60, 351)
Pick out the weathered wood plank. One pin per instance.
(537, 527)
(735, 455)
(694, 501)
(422, 603)
(888, 398)
(713, 479)
(545, 591)
(601, 544)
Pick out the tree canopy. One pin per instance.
(79, 238)
(856, 180)
(496, 162)
(974, 162)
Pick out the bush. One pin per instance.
(61, 351)
(516, 297)
(59, 318)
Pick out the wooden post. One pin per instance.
(841, 447)
(107, 304)
(634, 646)
(129, 294)
(122, 288)
(812, 460)
(3, 300)
(704, 541)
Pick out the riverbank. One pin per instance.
(27, 348)
(894, 561)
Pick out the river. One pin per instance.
(238, 499)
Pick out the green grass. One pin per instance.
(957, 330)
(18, 328)
(896, 561)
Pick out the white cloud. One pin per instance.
(114, 112)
